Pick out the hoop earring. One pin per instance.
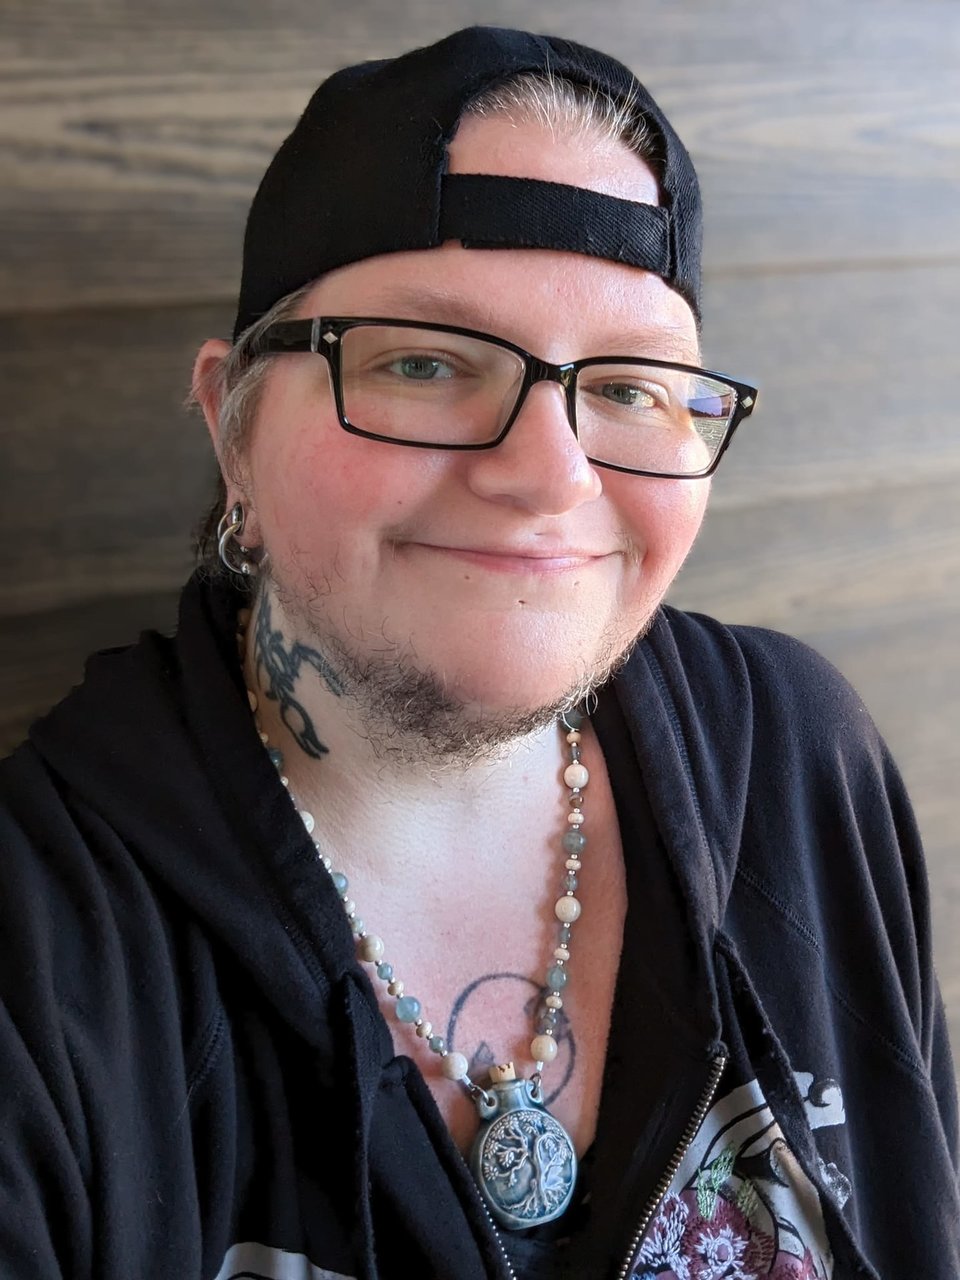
(229, 529)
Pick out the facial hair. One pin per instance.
(406, 713)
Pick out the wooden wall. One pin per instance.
(828, 140)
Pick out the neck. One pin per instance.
(392, 786)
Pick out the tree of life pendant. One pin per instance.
(523, 1159)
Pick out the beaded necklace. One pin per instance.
(523, 1159)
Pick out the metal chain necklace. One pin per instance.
(523, 1159)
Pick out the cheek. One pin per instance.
(662, 517)
(319, 486)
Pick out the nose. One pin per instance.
(540, 466)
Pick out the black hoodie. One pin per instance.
(197, 1082)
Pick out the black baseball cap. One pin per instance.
(364, 172)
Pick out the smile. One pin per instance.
(516, 562)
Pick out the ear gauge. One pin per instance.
(233, 554)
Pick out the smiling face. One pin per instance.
(504, 579)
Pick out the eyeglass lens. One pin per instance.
(430, 387)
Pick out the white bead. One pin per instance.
(395, 988)
(371, 949)
(263, 738)
(543, 1048)
(576, 775)
(350, 907)
(573, 736)
(561, 953)
(575, 818)
(454, 1066)
(307, 820)
(252, 699)
(567, 910)
(573, 864)
(553, 1002)
(326, 862)
(284, 780)
(425, 1030)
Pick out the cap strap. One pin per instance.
(490, 211)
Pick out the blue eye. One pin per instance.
(421, 368)
(628, 394)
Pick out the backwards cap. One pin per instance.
(364, 172)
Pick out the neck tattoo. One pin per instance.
(523, 1159)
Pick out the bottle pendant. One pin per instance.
(523, 1159)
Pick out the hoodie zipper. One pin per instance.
(686, 1138)
(496, 1235)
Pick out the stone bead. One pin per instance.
(340, 881)
(573, 864)
(574, 736)
(252, 699)
(385, 971)
(454, 1066)
(350, 907)
(275, 755)
(574, 842)
(425, 1030)
(575, 818)
(570, 881)
(408, 1008)
(576, 775)
(575, 800)
(543, 1048)
(567, 909)
(356, 924)
(436, 1044)
(326, 862)
(263, 737)
(557, 978)
(395, 988)
(561, 953)
(284, 780)
(573, 719)
(371, 949)
(307, 820)
(565, 934)
(553, 1002)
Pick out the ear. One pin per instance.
(206, 385)
(207, 392)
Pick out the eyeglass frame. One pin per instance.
(310, 335)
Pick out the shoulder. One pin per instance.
(762, 682)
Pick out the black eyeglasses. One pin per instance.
(442, 387)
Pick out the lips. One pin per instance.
(520, 559)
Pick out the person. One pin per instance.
(438, 901)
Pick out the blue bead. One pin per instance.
(340, 881)
(437, 1044)
(574, 842)
(385, 971)
(573, 719)
(276, 756)
(408, 1009)
(556, 978)
(571, 881)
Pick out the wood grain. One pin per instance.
(131, 139)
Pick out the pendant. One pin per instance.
(523, 1159)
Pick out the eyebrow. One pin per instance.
(667, 341)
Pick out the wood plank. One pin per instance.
(131, 139)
